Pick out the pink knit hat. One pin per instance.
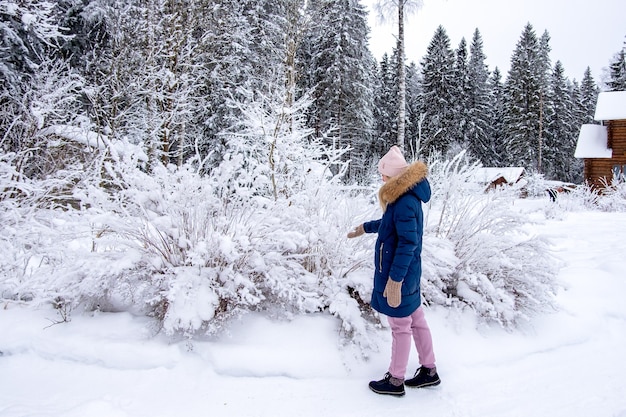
(393, 163)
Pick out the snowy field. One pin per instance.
(570, 363)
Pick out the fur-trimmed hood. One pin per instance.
(409, 180)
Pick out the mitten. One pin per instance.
(393, 293)
(358, 231)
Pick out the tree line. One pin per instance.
(181, 79)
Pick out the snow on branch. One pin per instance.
(93, 140)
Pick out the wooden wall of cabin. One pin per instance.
(595, 169)
(616, 130)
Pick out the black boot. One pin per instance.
(388, 385)
(424, 377)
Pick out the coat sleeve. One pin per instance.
(406, 221)
(371, 226)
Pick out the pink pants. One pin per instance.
(402, 328)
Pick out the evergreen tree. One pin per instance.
(225, 36)
(437, 99)
(480, 110)
(588, 98)
(498, 110)
(341, 63)
(412, 144)
(543, 70)
(579, 115)
(525, 87)
(402, 8)
(561, 128)
(461, 96)
(87, 24)
(617, 81)
(385, 107)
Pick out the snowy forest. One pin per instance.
(192, 160)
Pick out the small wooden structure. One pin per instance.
(491, 177)
(603, 146)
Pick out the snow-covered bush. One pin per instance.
(166, 244)
(494, 266)
(613, 196)
(190, 249)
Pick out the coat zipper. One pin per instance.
(380, 258)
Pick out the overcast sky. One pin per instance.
(583, 33)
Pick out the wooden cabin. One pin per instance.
(603, 147)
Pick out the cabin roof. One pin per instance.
(611, 106)
(592, 142)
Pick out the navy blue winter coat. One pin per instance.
(399, 244)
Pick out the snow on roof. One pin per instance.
(487, 175)
(611, 106)
(592, 141)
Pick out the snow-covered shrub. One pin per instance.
(206, 258)
(536, 184)
(499, 271)
(581, 197)
(190, 249)
(613, 196)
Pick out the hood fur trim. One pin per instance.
(397, 186)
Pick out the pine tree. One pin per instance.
(617, 81)
(412, 144)
(385, 107)
(560, 128)
(498, 110)
(525, 87)
(225, 34)
(543, 69)
(579, 115)
(341, 63)
(461, 96)
(437, 93)
(402, 8)
(480, 133)
(588, 98)
(87, 24)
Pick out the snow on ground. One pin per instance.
(570, 363)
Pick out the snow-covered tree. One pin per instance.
(89, 26)
(413, 145)
(461, 96)
(497, 125)
(30, 35)
(617, 72)
(385, 107)
(399, 8)
(341, 73)
(437, 97)
(561, 129)
(481, 106)
(39, 91)
(525, 87)
(588, 98)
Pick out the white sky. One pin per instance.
(583, 33)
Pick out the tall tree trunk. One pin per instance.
(401, 77)
(540, 144)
